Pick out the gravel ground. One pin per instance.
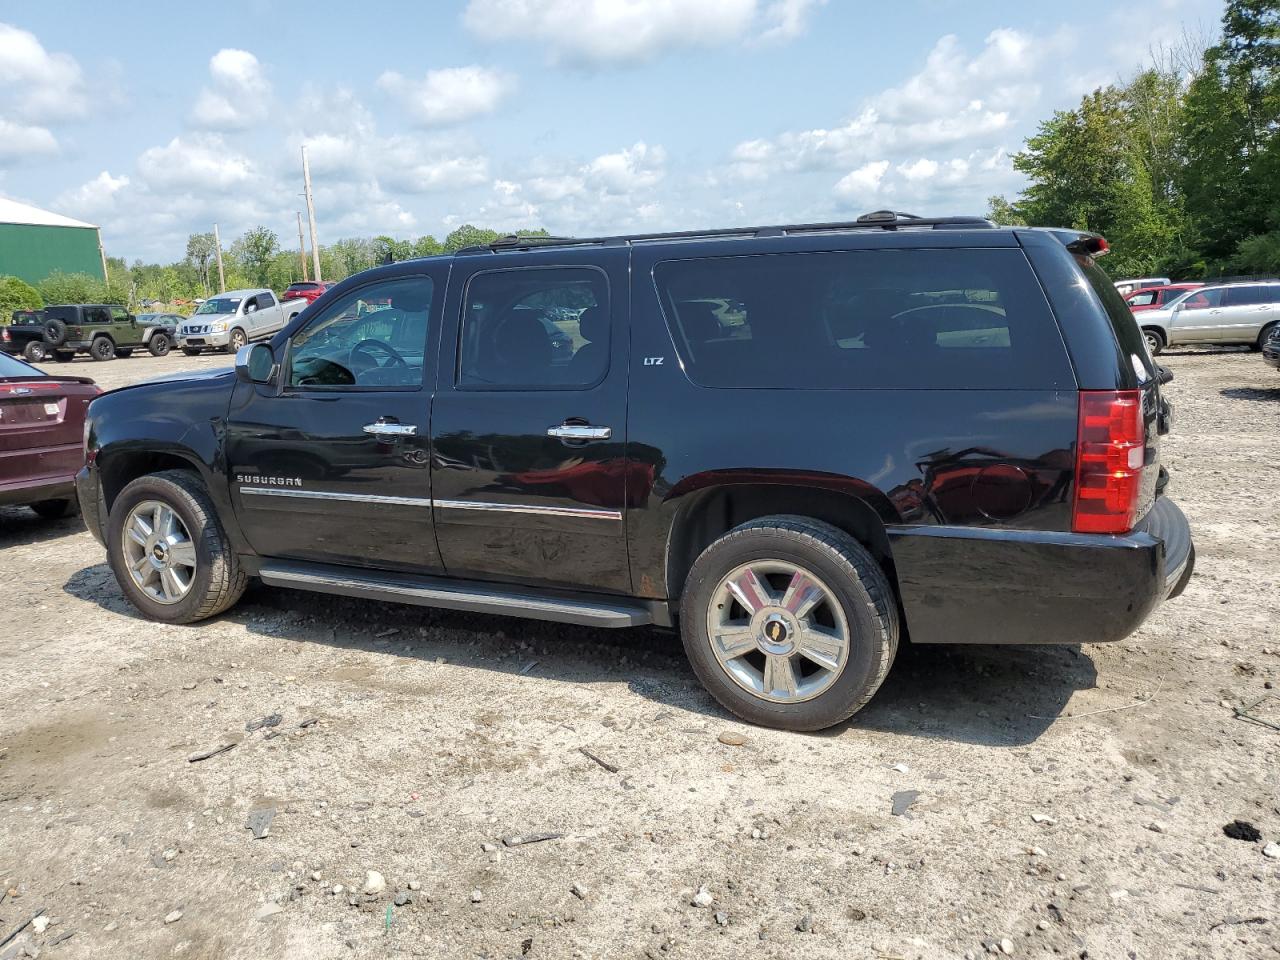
(1052, 801)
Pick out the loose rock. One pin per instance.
(703, 898)
(268, 910)
(374, 883)
(173, 917)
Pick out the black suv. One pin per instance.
(801, 444)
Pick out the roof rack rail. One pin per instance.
(877, 220)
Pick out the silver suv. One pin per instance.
(1230, 313)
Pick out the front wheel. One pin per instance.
(102, 349)
(238, 340)
(1155, 340)
(159, 344)
(35, 351)
(168, 550)
(789, 622)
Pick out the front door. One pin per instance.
(333, 463)
(529, 423)
(1200, 318)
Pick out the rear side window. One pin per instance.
(266, 300)
(539, 328)
(1144, 299)
(1248, 296)
(941, 319)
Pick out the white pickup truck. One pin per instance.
(229, 320)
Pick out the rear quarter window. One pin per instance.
(900, 319)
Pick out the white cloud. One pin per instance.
(598, 33)
(20, 141)
(93, 197)
(202, 162)
(450, 95)
(638, 167)
(239, 94)
(863, 183)
(36, 84)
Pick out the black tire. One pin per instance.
(55, 333)
(124, 353)
(159, 344)
(191, 351)
(218, 580)
(64, 356)
(863, 591)
(1155, 340)
(56, 509)
(102, 348)
(238, 340)
(1264, 335)
(35, 351)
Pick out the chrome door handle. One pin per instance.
(384, 428)
(575, 431)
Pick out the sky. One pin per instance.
(580, 116)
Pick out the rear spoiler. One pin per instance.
(1077, 241)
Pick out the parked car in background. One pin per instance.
(1152, 298)
(1271, 348)
(799, 444)
(308, 290)
(230, 320)
(1237, 313)
(41, 436)
(103, 331)
(1128, 286)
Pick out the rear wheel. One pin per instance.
(168, 550)
(35, 351)
(55, 509)
(1155, 340)
(159, 344)
(789, 623)
(102, 349)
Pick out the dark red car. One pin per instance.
(1152, 298)
(41, 436)
(308, 290)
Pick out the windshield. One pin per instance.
(9, 367)
(219, 305)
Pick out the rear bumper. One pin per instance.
(92, 506)
(982, 585)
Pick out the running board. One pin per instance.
(470, 595)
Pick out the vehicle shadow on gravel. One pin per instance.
(1271, 394)
(19, 526)
(988, 695)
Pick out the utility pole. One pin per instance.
(311, 212)
(217, 246)
(302, 249)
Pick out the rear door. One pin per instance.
(269, 316)
(1249, 309)
(529, 422)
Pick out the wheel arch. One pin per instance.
(119, 468)
(703, 516)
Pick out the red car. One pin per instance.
(308, 290)
(1152, 298)
(41, 436)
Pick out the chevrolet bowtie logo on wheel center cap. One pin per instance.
(776, 631)
(775, 635)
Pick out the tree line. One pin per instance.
(254, 259)
(1179, 167)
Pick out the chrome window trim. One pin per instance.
(582, 512)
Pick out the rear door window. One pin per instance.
(1248, 296)
(942, 319)
(1144, 299)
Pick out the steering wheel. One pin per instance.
(390, 351)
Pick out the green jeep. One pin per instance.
(103, 331)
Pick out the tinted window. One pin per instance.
(266, 300)
(1123, 322)
(882, 318)
(119, 314)
(375, 336)
(1144, 299)
(541, 328)
(1242, 296)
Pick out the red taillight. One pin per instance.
(1110, 452)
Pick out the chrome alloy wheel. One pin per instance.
(778, 631)
(159, 552)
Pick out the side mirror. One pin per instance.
(255, 363)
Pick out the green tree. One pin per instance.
(81, 288)
(469, 236)
(386, 249)
(16, 294)
(253, 251)
(427, 246)
(1003, 213)
(200, 255)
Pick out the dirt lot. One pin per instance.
(430, 736)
